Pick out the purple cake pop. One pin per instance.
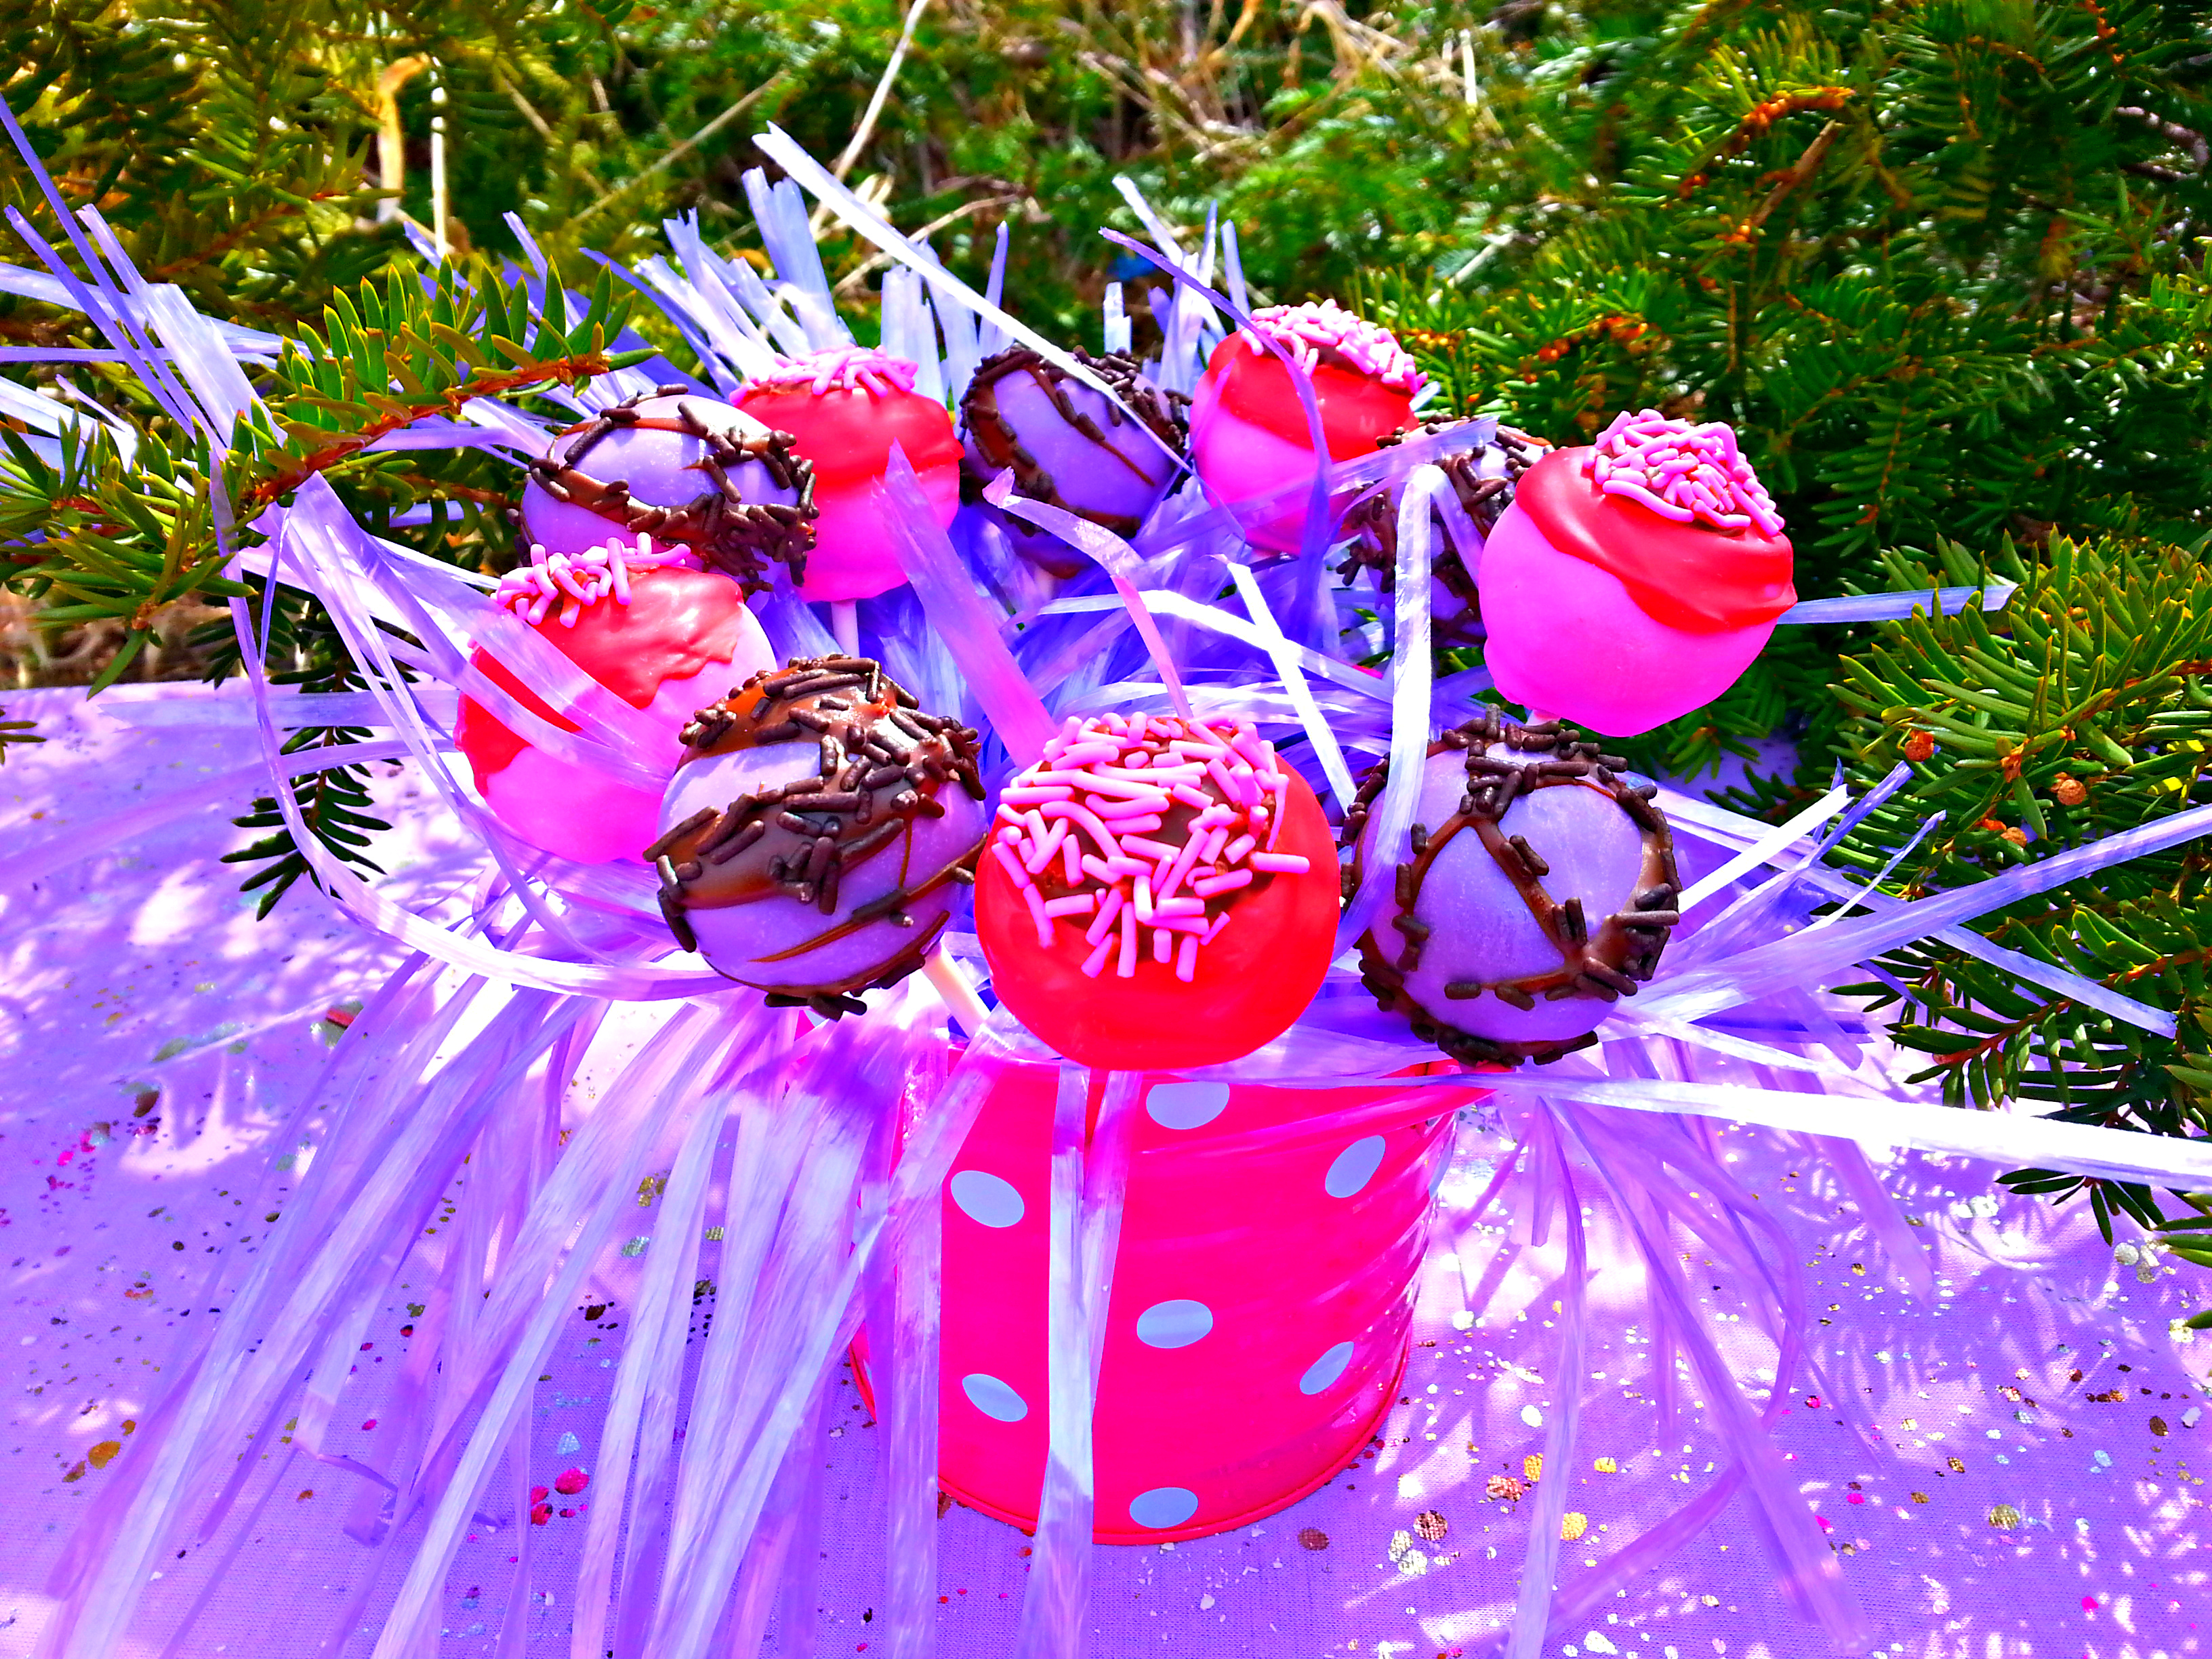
(682, 469)
(1483, 480)
(1069, 444)
(817, 830)
(1543, 892)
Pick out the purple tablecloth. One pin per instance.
(2010, 1470)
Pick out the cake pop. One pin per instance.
(1540, 889)
(682, 469)
(1635, 579)
(813, 836)
(1071, 445)
(1248, 425)
(844, 408)
(1481, 480)
(652, 629)
(1160, 894)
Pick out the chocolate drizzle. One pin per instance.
(1604, 957)
(883, 764)
(729, 533)
(1000, 445)
(1373, 524)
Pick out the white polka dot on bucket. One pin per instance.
(986, 1197)
(1185, 1105)
(1326, 1370)
(1174, 1324)
(994, 1398)
(1354, 1167)
(1163, 1507)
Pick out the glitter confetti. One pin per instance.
(1573, 1524)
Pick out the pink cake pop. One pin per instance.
(1635, 579)
(682, 469)
(1158, 893)
(844, 408)
(817, 832)
(1248, 425)
(652, 630)
(1540, 889)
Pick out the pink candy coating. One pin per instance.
(1567, 638)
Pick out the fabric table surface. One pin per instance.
(2008, 1469)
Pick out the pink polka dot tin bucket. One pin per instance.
(1261, 1298)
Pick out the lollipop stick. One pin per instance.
(845, 624)
(952, 985)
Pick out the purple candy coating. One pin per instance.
(1124, 476)
(1480, 928)
(661, 469)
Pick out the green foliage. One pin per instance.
(2081, 710)
(333, 802)
(1939, 265)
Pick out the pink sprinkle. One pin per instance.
(1129, 806)
(1151, 849)
(1012, 865)
(1181, 924)
(1187, 959)
(1045, 848)
(1682, 471)
(1108, 908)
(842, 368)
(1280, 863)
(1163, 943)
(1035, 900)
(567, 584)
(1179, 907)
(1304, 329)
(1206, 886)
(1235, 852)
(1034, 795)
(1127, 967)
(1144, 900)
(1075, 904)
(1071, 860)
(1213, 932)
(1094, 964)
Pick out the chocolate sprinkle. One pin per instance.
(796, 841)
(729, 533)
(1606, 963)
